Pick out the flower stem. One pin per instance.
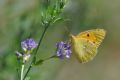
(41, 38)
(22, 70)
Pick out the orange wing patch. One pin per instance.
(89, 36)
(94, 36)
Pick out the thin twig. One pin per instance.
(39, 43)
(41, 38)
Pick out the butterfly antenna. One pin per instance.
(67, 30)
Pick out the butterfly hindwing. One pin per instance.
(84, 51)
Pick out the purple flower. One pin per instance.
(63, 50)
(28, 44)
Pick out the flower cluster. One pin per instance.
(28, 45)
(63, 50)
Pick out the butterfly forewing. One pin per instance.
(95, 36)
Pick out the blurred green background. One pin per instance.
(20, 17)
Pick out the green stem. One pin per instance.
(22, 71)
(46, 25)
(41, 38)
(54, 56)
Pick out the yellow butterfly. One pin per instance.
(85, 44)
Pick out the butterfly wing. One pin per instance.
(94, 36)
(85, 44)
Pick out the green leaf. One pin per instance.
(39, 62)
(34, 60)
(58, 19)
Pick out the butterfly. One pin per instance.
(85, 44)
